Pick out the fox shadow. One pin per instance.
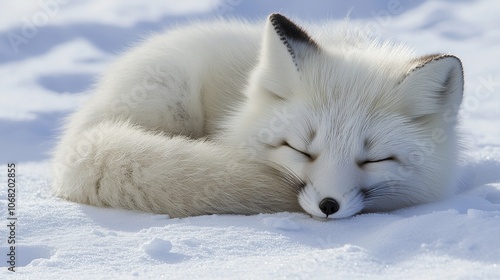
(479, 173)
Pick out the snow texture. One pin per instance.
(52, 51)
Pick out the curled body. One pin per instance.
(240, 118)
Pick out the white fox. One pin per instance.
(237, 118)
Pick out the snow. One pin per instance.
(62, 47)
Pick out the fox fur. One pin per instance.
(231, 117)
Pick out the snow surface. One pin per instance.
(62, 47)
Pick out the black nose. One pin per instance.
(329, 206)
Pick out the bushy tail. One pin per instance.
(116, 164)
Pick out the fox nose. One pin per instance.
(329, 206)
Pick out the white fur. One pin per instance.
(216, 118)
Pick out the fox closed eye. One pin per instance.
(286, 144)
(368, 161)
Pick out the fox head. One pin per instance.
(355, 126)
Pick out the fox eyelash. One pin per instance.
(286, 144)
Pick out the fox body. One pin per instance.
(233, 117)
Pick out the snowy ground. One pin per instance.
(51, 51)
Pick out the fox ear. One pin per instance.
(435, 84)
(284, 47)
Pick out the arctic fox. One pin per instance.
(238, 118)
